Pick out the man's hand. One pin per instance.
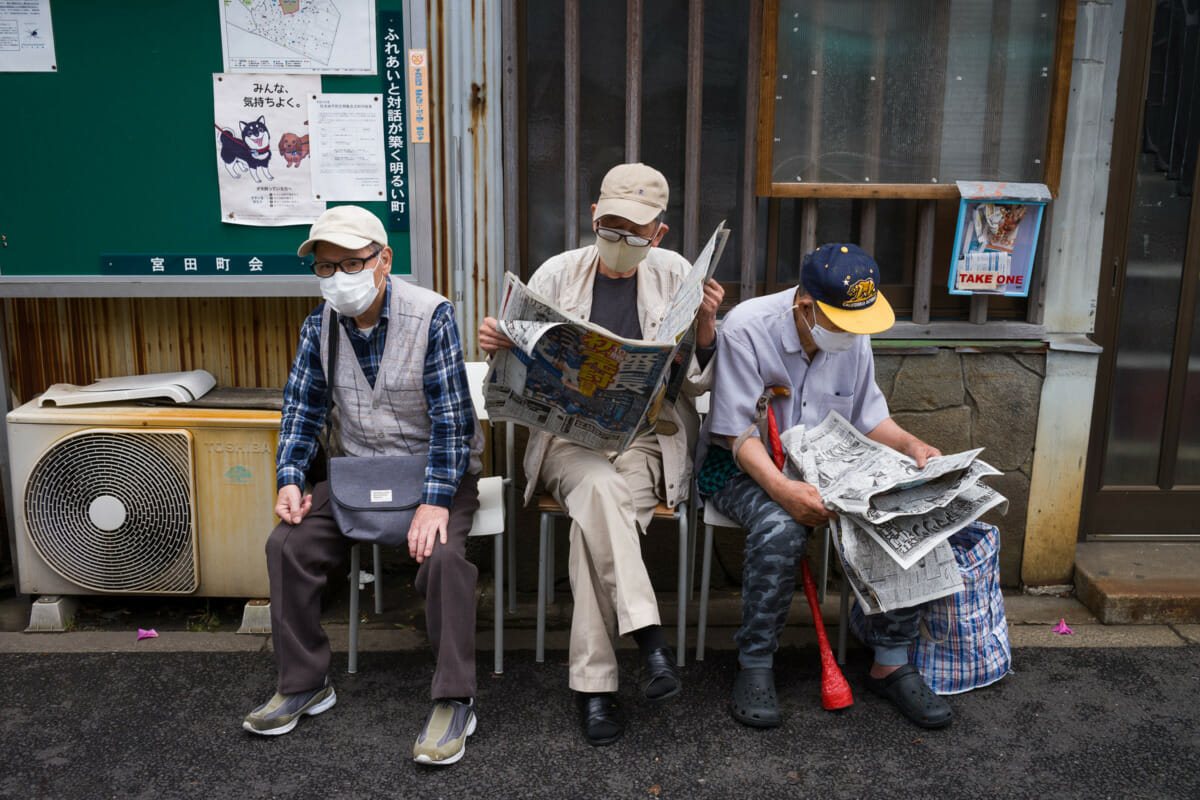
(290, 506)
(706, 319)
(490, 337)
(428, 526)
(900, 440)
(920, 451)
(803, 502)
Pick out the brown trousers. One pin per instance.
(299, 558)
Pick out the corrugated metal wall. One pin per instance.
(246, 342)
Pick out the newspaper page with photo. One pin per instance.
(577, 380)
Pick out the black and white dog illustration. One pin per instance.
(251, 152)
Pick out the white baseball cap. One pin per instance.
(351, 227)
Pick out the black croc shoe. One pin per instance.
(754, 702)
(907, 690)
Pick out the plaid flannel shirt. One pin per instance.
(447, 396)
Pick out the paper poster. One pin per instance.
(320, 37)
(26, 38)
(348, 161)
(261, 141)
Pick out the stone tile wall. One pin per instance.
(961, 400)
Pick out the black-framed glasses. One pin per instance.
(631, 239)
(325, 269)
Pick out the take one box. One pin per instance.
(996, 237)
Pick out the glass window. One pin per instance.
(869, 91)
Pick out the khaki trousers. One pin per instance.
(609, 498)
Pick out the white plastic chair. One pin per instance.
(488, 521)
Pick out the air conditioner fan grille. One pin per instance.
(112, 511)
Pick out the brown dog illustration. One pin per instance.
(293, 148)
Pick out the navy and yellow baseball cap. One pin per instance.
(845, 283)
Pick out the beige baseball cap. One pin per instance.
(635, 192)
(351, 227)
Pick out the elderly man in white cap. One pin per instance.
(624, 282)
(400, 387)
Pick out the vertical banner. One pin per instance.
(395, 135)
(261, 146)
(418, 93)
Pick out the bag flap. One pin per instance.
(377, 483)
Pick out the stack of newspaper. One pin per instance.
(894, 519)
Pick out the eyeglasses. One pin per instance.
(631, 239)
(325, 269)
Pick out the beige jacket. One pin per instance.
(566, 280)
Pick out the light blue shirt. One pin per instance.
(758, 346)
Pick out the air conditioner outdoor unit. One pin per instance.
(127, 499)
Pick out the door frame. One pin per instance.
(1158, 510)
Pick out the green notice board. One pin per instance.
(114, 154)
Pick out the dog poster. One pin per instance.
(261, 141)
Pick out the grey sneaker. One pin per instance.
(281, 713)
(443, 740)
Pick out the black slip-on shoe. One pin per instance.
(659, 677)
(601, 718)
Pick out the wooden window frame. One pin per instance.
(1057, 124)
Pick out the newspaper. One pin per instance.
(894, 518)
(906, 539)
(928, 496)
(574, 379)
(878, 581)
(850, 469)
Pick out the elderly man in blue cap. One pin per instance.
(812, 341)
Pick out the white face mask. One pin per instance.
(620, 256)
(829, 341)
(350, 295)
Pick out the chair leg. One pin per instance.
(498, 571)
(510, 529)
(377, 566)
(355, 565)
(550, 563)
(681, 636)
(843, 621)
(543, 536)
(705, 575)
(823, 579)
(693, 512)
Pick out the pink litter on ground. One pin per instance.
(1062, 627)
(147, 634)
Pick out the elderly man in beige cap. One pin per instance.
(624, 282)
(399, 385)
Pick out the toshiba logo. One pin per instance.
(237, 447)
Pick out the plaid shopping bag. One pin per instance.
(964, 637)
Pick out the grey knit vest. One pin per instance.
(392, 417)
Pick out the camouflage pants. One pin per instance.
(775, 543)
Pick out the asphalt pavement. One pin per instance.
(1080, 721)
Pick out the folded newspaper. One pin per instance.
(895, 518)
(580, 381)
